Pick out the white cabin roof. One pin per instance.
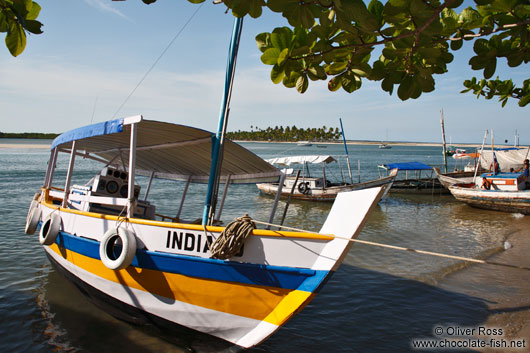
(287, 161)
(171, 151)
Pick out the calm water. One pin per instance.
(377, 301)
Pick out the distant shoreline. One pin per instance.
(369, 143)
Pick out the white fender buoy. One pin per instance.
(50, 228)
(117, 248)
(33, 218)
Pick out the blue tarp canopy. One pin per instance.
(98, 129)
(409, 166)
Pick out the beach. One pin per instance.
(505, 290)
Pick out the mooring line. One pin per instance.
(158, 59)
(400, 248)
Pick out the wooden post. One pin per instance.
(289, 198)
(443, 141)
(69, 175)
(277, 199)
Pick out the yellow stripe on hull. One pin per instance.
(269, 304)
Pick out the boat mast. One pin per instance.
(346, 150)
(218, 141)
(443, 140)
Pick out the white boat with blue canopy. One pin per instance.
(304, 186)
(237, 283)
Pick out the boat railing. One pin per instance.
(104, 200)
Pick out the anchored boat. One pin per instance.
(310, 188)
(237, 282)
(501, 192)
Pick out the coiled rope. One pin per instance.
(229, 243)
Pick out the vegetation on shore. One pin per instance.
(289, 133)
(27, 135)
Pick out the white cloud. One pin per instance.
(104, 6)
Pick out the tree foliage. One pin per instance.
(28, 135)
(335, 40)
(289, 133)
(18, 17)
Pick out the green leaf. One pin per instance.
(284, 54)
(456, 4)
(406, 88)
(255, 8)
(34, 11)
(425, 84)
(270, 56)
(336, 68)
(387, 85)
(375, 7)
(280, 5)
(524, 101)
(33, 26)
(281, 37)
(290, 80)
(240, 7)
(456, 44)
(350, 82)
(16, 39)
(420, 10)
(489, 70)
(430, 52)
(302, 83)
(318, 71)
(277, 74)
(263, 41)
(334, 84)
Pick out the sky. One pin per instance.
(86, 67)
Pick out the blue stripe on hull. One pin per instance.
(254, 274)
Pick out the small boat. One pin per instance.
(410, 180)
(304, 143)
(501, 192)
(309, 188)
(461, 174)
(147, 265)
(451, 178)
(384, 146)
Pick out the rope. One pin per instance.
(229, 243)
(366, 242)
(158, 59)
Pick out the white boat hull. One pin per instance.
(242, 300)
(506, 201)
(326, 194)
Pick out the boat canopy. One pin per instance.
(408, 166)
(506, 157)
(170, 151)
(287, 161)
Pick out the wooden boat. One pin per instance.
(451, 178)
(316, 188)
(148, 267)
(409, 178)
(501, 192)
